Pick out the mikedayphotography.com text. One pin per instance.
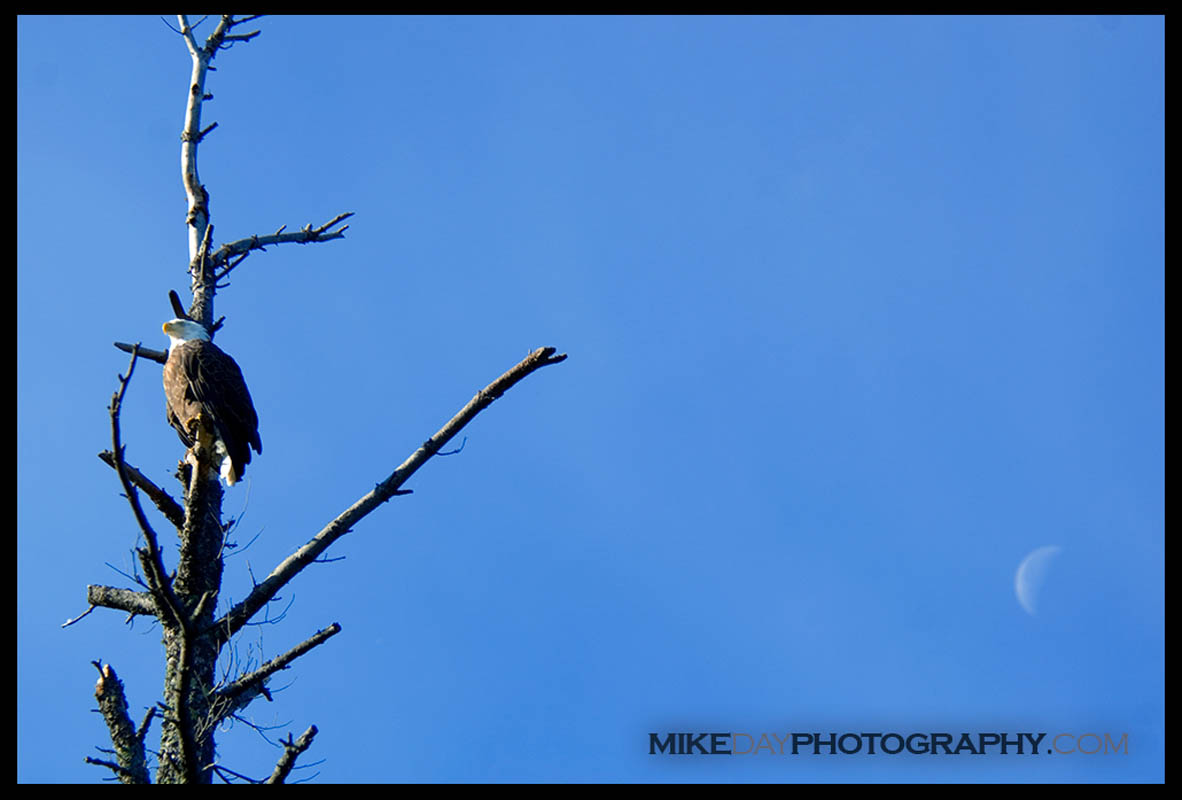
(734, 743)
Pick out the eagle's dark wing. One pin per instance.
(181, 407)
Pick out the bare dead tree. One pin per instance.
(184, 601)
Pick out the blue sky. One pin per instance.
(860, 312)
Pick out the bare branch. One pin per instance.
(203, 282)
(142, 732)
(178, 310)
(129, 747)
(159, 356)
(154, 566)
(293, 564)
(133, 602)
(241, 692)
(214, 42)
(204, 131)
(306, 235)
(203, 250)
(123, 775)
(292, 751)
(233, 264)
(169, 507)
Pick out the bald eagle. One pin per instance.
(201, 380)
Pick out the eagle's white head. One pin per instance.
(185, 330)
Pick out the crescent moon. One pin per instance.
(1031, 574)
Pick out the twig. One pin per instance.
(70, 622)
(218, 770)
(453, 452)
(133, 577)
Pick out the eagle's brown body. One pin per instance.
(202, 381)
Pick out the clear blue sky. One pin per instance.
(860, 312)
